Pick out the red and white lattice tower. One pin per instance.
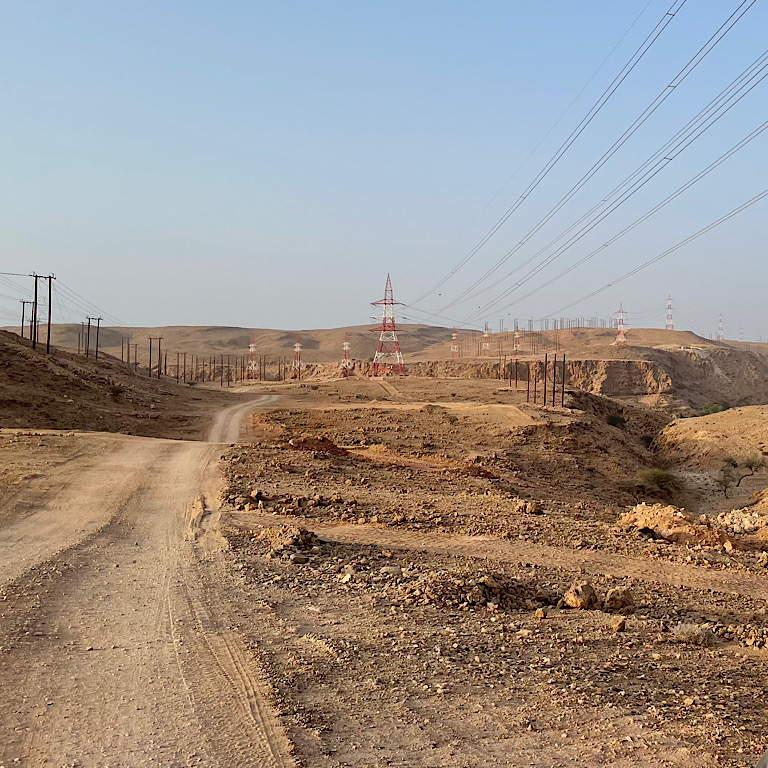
(621, 333)
(296, 366)
(455, 352)
(252, 369)
(346, 360)
(485, 345)
(388, 357)
(720, 332)
(516, 347)
(741, 334)
(670, 326)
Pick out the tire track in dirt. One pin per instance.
(651, 571)
(113, 643)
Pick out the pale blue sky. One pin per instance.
(266, 164)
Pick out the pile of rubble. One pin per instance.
(743, 520)
(449, 590)
(673, 524)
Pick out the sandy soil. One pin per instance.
(404, 495)
(375, 574)
(110, 641)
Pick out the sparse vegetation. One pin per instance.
(657, 483)
(693, 634)
(710, 408)
(116, 392)
(732, 472)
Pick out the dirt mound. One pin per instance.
(706, 442)
(317, 443)
(288, 537)
(449, 590)
(68, 391)
(673, 524)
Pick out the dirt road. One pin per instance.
(113, 653)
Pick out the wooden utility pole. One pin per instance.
(50, 280)
(33, 329)
(98, 328)
(545, 379)
(23, 313)
(554, 379)
(158, 339)
(88, 337)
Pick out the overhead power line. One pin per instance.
(743, 207)
(694, 62)
(679, 191)
(594, 110)
(653, 166)
(701, 122)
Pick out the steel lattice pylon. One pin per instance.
(388, 357)
(296, 367)
(346, 360)
(621, 331)
(252, 370)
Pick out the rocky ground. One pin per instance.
(400, 654)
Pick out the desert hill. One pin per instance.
(68, 391)
(674, 370)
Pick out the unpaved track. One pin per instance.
(658, 571)
(113, 651)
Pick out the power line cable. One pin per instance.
(577, 131)
(691, 182)
(743, 207)
(694, 62)
(659, 159)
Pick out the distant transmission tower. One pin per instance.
(346, 360)
(670, 326)
(454, 344)
(516, 346)
(252, 369)
(388, 357)
(720, 333)
(296, 367)
(485, 346)
(621, 335)
(741, 334)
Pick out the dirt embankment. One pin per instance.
(681, 378)
(67, 391)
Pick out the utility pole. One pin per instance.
(88, 337)
(159, 359)
(23, 318)
(33, 329)
(98, 327)
(50, 279)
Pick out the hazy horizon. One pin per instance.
(266, 165)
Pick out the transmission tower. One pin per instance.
(252, 369)
(720, 333)
(670, 326)
(741, 334)
(346, 360)
(388, 357)
(455, 352)
(621, 336)
(516, 345)
(485, 345)
(296, 367)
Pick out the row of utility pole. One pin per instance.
(193, 368)
(533, 374)
(34, 323)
